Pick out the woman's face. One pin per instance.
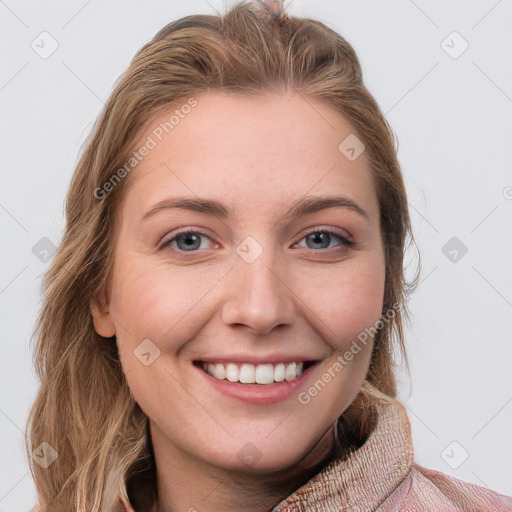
(244, 281)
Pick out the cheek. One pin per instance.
(152, 302)
(350, 301)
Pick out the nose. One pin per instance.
(259, 295)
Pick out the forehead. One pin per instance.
(251, 151)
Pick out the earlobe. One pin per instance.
(102, 321)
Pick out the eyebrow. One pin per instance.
(303, 206)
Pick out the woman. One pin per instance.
(219, 320)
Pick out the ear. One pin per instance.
(103, 323)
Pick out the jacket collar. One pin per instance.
(368, 476)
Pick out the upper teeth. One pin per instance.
(247, 373)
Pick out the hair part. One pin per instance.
(84, 408)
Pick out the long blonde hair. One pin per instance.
(84, 409)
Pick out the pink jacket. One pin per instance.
(382, 476)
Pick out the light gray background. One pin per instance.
(453, 119)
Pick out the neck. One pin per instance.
(190, 484)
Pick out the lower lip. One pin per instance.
(259, 394)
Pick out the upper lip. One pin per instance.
(252, 359)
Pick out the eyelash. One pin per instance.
(186, 231)
(344, 240)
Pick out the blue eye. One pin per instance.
(191, 241)
(187, 241)
(323, 237)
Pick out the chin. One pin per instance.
(259, 457)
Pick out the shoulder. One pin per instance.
(424, 488)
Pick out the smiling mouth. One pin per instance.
(247, 373)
